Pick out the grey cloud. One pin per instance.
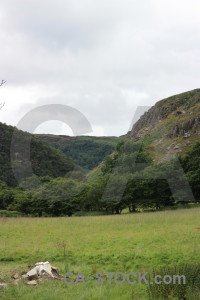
(102, 57)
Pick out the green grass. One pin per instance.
(125, 243)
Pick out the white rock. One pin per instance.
(43, 269)
(32, 282)
(33, 274)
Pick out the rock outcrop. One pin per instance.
(172, 121)
(183, 128)
(178, 105)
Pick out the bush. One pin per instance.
(188, 291)
(6, 213)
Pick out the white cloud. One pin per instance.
(102, 57)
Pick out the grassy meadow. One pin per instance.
(137, 243)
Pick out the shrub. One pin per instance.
(188, 291)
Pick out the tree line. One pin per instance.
(128, 179)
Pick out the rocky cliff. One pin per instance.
(171, 126)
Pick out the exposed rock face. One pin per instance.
(148, 119)
(171, 127)
(162, 109)
(183, 128)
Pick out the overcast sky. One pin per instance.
(102, 57)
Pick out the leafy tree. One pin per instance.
(46, 161)
(95, 193)
(112, 198)
(56, 197)
(191, 166)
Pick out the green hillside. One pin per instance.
(126, 173)
(87, 151)
(46, 160)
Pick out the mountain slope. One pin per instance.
(87, 151)
(170, 127)
(45, 159)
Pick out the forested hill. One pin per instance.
(141, 173)
(87, 151)
(46, 160)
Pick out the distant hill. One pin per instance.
(87, 151)
(46, 160)
(171, 127)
